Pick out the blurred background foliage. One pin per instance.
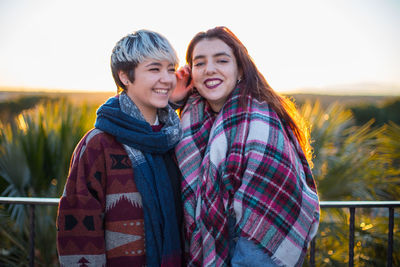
(354, 160)
(36, 147)
(356, 157)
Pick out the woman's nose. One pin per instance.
(167, 77)
(210, 68)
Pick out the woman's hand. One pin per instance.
(182, 88)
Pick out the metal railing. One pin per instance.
(31, 201)
(351, 205)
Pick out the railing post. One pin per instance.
(312, 253)
(32, 236)
(351, 236)
(390, 237)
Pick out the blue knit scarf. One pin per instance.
(120, 117)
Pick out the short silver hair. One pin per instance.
(136, 47)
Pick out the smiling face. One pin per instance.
(214, 71)
(153, 84)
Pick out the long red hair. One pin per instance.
(254, 84)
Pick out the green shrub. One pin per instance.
(34, 159)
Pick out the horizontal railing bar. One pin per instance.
(30, 200)
(323, 204)
(358, 204)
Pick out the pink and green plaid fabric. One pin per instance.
(245, 162)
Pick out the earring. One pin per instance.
(238, 80)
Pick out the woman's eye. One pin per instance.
(154, 69)
(198, 64)
(222, 61)
(171, 70)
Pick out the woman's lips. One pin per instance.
(212, 83)
(161, 91)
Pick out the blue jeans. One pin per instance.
(247, 254)
(243, 252)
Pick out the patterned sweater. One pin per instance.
(100, 218)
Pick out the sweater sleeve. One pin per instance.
(80, 228)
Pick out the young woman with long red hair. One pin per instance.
(248, 192)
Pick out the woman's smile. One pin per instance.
(161, 91)
(212, 83)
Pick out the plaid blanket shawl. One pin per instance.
(246, 162)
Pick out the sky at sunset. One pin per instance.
(324, 46)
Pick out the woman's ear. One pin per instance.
(240, 74)
(123, 77)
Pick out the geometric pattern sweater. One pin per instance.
(100, 218)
